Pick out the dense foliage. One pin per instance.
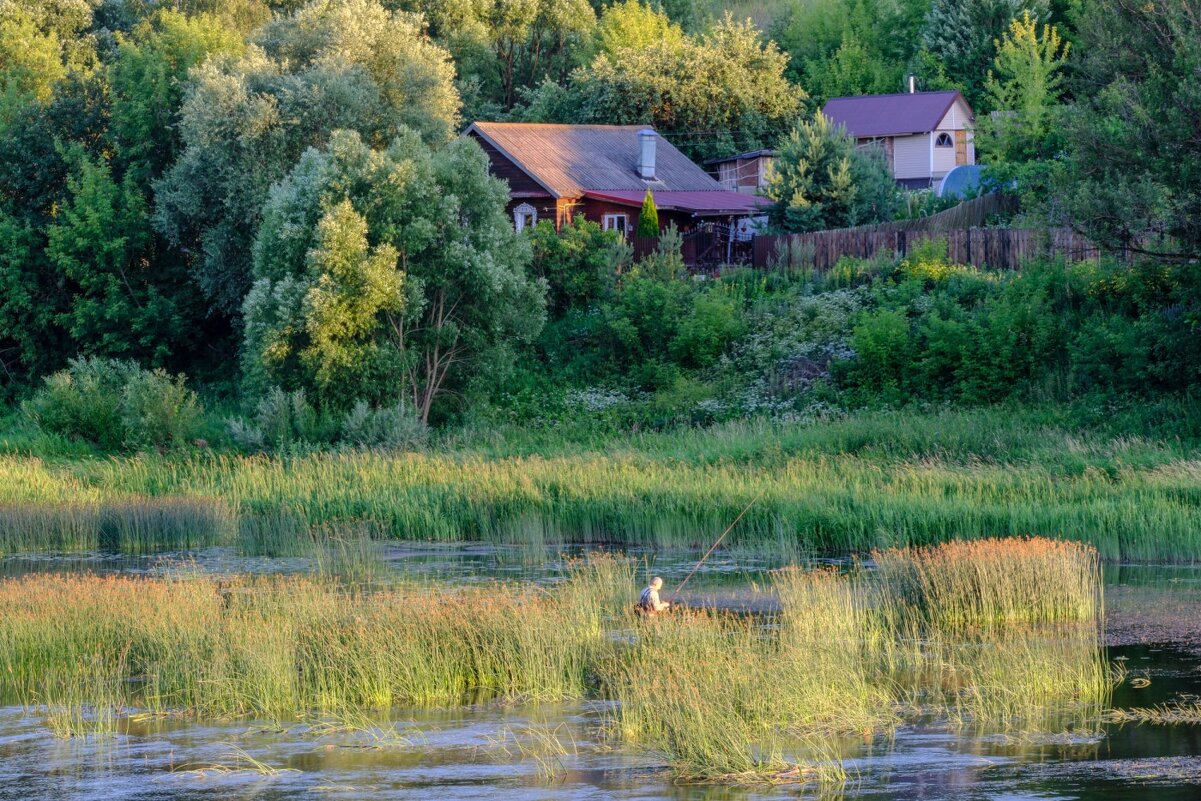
(269, 197)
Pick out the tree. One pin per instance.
(124, 302)
(347, 64)
(386, 274)
(849, 47)
(710, 96)
(580, 262)
(40, 44)
(1024, 134)
(648, 216)
(502, 47)
(631, 25)
(821, 180)
(963, 36)
(1133, 168)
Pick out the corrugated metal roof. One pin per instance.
(570, 160)
(890, 115)
(702, 203)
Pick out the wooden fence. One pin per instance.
(998, 248)
(968, 242)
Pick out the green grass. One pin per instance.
(870, 480)
(724, 697)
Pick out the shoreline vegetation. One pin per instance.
(995, 635)
(868, 480)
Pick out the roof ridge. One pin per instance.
(894, 94)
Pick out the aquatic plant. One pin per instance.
(872, 481)
(724, 697)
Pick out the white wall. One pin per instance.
(911, 156)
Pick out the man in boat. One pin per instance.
(649, 601)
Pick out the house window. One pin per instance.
(615, 222)
(944, 140)
(524, 216)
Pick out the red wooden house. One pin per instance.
(556, 172)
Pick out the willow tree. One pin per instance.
(388, 273)
(349, 64)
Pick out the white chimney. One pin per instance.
(912, 84)
(646, 154)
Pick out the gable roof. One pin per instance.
(891, 115)
(569, 160)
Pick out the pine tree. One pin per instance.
(648, 218)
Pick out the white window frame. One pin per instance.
(525, 216)
(939, 137)
(609, 223)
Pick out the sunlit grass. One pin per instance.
(872, 481)
(850, 656)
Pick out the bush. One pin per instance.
(282, 419)
(715, 322)
(387, 427)
(115, 405)
(882, 349)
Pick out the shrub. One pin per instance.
(158, 410)
(579, 263)
(387, 427)
(715, 322)
(115, 404)
(282, 419)
(882, 349)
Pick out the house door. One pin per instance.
(961, 147)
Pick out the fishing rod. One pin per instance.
(675, 596)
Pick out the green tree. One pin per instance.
(123, 302)
(850, 47)
(1025, 133)
(579, 263)
(502, 47)
(387, 274)
(333, 65)
(648, 216)
(40, 44)
(963, 34)
(1133, 169)
(631, 25)
(712, 95)
(820, 180)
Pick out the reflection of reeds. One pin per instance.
(726, 697)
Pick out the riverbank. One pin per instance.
(837, 485)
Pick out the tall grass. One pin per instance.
(273, 647)
(873, 481)
(724, 697)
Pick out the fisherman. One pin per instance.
(649, 601)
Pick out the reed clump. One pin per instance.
(991, 583)
(851, 655)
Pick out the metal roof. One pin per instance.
(569, 160)
(701, 203)
(891, 115)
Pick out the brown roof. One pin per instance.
(569, 160)
(891, 115)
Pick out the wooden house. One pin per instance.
(924, 135)
(556, 172)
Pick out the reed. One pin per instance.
(724, 697)
(991, 583)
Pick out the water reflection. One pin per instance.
(460, 754)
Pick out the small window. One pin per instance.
(944, 140)
(525, 216)
(615, 222)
